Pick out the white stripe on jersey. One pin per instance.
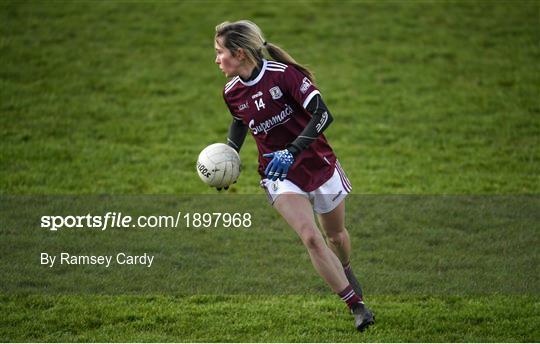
(277, 64)
(308, 98)
(231, 84)
(231, 81)
(276, 69)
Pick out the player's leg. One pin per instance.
(333, 224)
(297, 211)
(293, 204)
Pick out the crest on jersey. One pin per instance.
(305, 85)
(276, 92)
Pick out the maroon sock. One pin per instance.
(349, 296)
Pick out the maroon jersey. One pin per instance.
(273, 107)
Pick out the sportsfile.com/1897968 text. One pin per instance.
(118, 220)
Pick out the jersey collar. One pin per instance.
(258, 78)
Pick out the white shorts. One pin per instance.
(324, 199)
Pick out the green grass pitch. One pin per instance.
(436, 108)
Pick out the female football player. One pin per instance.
(275, 98)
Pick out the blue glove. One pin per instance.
(279, 166)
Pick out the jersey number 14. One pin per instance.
(259, 103)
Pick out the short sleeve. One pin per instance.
(299, 86)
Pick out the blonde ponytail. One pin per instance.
(280, 55)
(246, 35)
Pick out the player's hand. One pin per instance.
(225, 188)
(279, 166)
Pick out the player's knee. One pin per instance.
(336, 238)
(311, 237)
(314, 243)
